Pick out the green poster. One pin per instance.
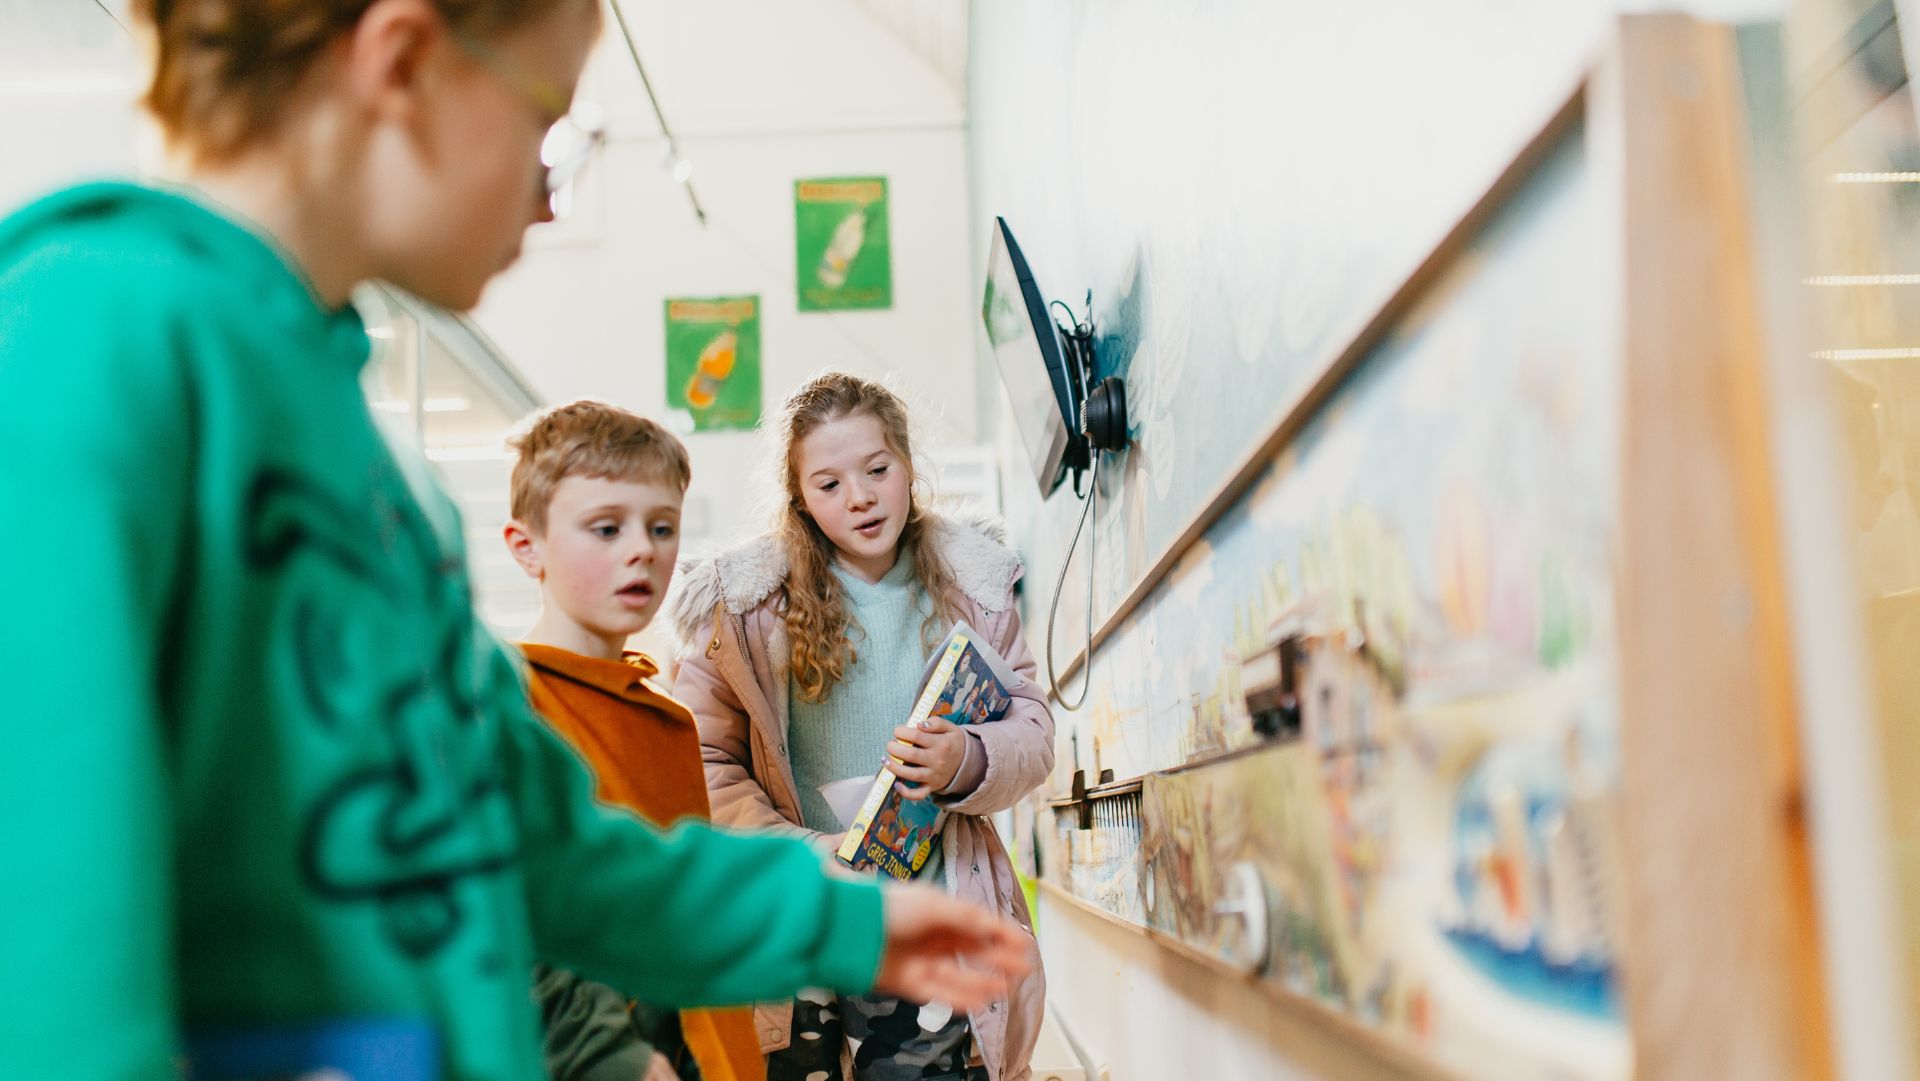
(842, 246)
(713, 361)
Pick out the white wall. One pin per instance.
(68, 80)
(1146, 1013)
(1218, 176)
(760, 94)
(54, 140)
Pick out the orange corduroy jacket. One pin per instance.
(645, 754)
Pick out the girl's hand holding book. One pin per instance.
(928, 756)
(943, 950)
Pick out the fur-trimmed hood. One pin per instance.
(972, 542)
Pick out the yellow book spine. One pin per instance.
(857, 833)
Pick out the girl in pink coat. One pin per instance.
(801, 655)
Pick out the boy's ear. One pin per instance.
(524, 547)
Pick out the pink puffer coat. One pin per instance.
(732, 673)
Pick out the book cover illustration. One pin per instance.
(966, 682)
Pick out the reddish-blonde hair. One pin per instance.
(589, 439)
(224, 70)
(815, 608)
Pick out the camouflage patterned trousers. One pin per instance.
(888, 1041)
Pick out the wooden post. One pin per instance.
(1722, 966)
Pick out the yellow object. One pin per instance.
(712, 369)
(848, 238)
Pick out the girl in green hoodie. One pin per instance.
(264, 772)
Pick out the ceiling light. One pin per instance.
(1875, 178)
(1909, 353)
(1865, 279)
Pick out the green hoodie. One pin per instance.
(264, 768)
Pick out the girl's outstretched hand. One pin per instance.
(929, 755)
(943, 950)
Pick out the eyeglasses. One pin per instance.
(573, 134)
(569, 147)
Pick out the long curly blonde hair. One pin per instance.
(814, 603)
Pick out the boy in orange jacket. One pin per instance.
(596, 495)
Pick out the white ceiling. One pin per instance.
(60, 41)
(934, 30)
(732, 67)
(55, 41)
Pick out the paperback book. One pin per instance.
(966, 682)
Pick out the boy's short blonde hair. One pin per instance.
(590, 439)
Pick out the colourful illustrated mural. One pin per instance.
(1433, 851)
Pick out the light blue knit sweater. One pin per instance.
(846, 736)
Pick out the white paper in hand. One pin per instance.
(846, 796)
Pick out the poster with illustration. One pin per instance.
(713, 361)
(842, 245)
